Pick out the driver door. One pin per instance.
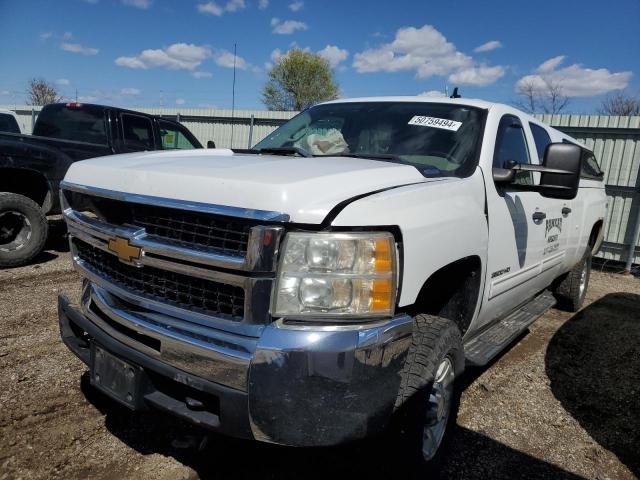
(516, 227)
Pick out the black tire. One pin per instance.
(23, 229)
(434, 339)
(568, 289)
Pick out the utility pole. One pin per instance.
(233, 93)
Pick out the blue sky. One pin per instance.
(177, 53)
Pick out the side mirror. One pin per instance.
(560, 177)
(559, 172)
(211, 144)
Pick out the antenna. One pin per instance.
(161, 98)
(446, 90)
(76, 95)
(233, 93)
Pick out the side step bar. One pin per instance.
(480, 349)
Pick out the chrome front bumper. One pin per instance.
(303, 386)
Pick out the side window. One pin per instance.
(511, 146)
(173, 137)
(8, 123)
(590, 167)
(541, 139)
(137, 132)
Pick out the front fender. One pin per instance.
(441, 222)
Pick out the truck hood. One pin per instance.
(306, 189)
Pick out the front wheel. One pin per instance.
(428, 398)
(23, 229)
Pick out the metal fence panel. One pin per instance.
(614, 140)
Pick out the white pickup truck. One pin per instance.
(337, 276)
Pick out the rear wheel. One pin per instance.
(23, 229)
(572, 289)
(428, 398)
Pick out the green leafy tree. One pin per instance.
(41, 92)
(298, 80)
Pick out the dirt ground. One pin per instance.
(562, 402)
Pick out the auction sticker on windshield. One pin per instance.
(435, 123)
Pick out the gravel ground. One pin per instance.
(562, 402)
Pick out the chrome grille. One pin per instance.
(190, 229)
(185, 291)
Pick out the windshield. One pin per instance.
(439, 139)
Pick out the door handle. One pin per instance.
(539, 216)
(566, 211)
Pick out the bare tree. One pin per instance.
(529, 92)
(620, 103)
(545, 97)
(42, 92)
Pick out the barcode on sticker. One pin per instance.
(435, 122)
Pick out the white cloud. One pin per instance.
(479, 76)
(62, 82)
(287, 27)
(427, 52)
(208, 105)
(198, 74)
(5, 92)
(487, 47)
(92, 2)
(67, 36)
(296, 5)
(77, 48)
(235, 5)
(142, 4)
(432, 93)
(262, 4)
(333, 55)
(180, 101)
(224, 58)
(130, 91)
(550, 65)
(179, 56)
(213, 8)
(46, 35)
(575, 80)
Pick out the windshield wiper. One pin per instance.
(388, 157)
(284, 151)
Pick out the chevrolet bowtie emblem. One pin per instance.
(124, 249)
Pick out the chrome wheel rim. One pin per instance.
(15, 231)
(583, 280)
(438, 409)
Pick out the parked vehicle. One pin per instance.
(341, 273)
(8, 121)
(32, 166)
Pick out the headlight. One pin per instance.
(336, 274)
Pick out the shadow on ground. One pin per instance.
(593, 363)
(474, 456)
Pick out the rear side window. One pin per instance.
(511, 146)
(541, 138)
(72, 123)
(173, 137)
(590, 167)
(8, 123)
(137, 132)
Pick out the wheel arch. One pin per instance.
(451, 292)
(30, 183)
